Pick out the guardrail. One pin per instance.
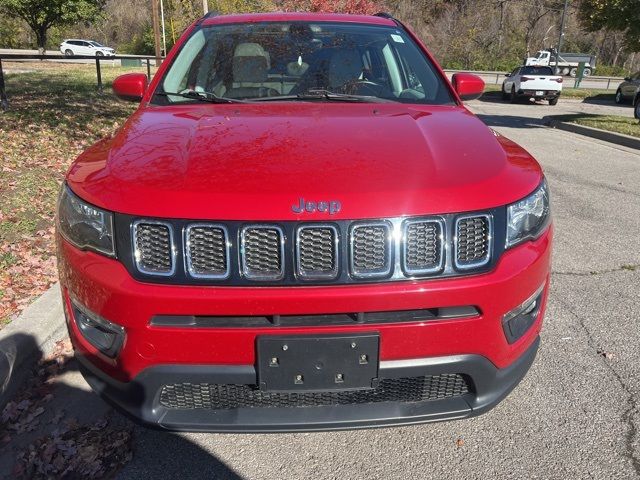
(611, 82)
(4, 101)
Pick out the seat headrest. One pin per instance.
(250, 63)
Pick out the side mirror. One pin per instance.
(467, 86)
(507, 74)
(130, 87)
(627, 79)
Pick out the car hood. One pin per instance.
(256, 161)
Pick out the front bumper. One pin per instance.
(154, 356)
(140, 397)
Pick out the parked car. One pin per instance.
(628, 89)
(289, 234)
(85, 47)
(538, 83)
(636, 106)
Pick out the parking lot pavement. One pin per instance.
(575, 415)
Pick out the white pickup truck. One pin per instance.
(527, 81)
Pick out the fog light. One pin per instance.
(107, 337)
(516, 322)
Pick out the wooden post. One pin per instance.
(156, 30)
(99, 74)
(4, 103)
(205, 6)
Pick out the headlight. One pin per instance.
(528, 218)
(85, 226)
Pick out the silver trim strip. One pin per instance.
(442, 238)
(243, 265)
(304, 275)
(389, 247)
(136, 253)
(187, 251)
(487, 259)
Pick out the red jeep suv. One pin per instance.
(302, 228)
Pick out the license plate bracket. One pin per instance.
(317, 363)
(539, 92)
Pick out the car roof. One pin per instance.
(299, 17)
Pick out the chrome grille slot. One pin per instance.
(472, 241)
(423, 249)
(370, 250)
(317, 252)
(207, 251)
(262, 252)
(153, 250)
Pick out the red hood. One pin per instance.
(253, 162)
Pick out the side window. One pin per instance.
(86, 44)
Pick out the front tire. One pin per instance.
(99, 54)
(619, 98)
(514, 96)
(586, 72)
(68, 53)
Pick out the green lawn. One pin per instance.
(55, 112)
(612, 123)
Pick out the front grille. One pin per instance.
(262, 252)
(209, 396)
(371, 250)
(317, 252)
(473, 241)
(207, 251)
(423, 246)
(153, 248)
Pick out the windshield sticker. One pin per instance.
(397, 38)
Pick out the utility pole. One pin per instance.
(164, 38)
(205, 6)
(156, 30)
(564, 15)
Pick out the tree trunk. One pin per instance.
(41, 39)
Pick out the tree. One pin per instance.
(41, 15)
(345, 6)
(619, 15)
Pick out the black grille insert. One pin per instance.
(208, 396)
(153, 248)
(262, 252)
(473, 241)
(371, 250)
(207, 251)
(317, 252)
(423, 252)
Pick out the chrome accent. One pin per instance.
(136, 252)
(187, 251)
(389, 249)
(245, 269)
(310, 275)
(487, 258)
(442, 238)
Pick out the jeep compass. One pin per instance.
(301, 227)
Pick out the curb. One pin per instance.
(611, 137)
(25, 340)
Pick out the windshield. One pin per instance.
(284, 60)
(536, 71)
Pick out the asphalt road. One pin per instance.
(575, 415)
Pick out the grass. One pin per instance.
(55, 112)
(611, 123)
(577, 93)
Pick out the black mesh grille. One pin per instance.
(187, 396)
(317, 252)
(153, 248)
(262, 252)
(207, 251)
(370, 249)
(473, 240)
(423, 246)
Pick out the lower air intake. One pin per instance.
(209, 396)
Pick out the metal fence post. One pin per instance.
(99, 73)
(4, 103)
(149, 69)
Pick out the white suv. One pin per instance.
(85, 47)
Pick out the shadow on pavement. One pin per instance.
(511, 121)
(54, 426)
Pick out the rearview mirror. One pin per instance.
(130, 87)
(467, 86)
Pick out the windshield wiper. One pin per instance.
(321, 94)
(201, 96)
